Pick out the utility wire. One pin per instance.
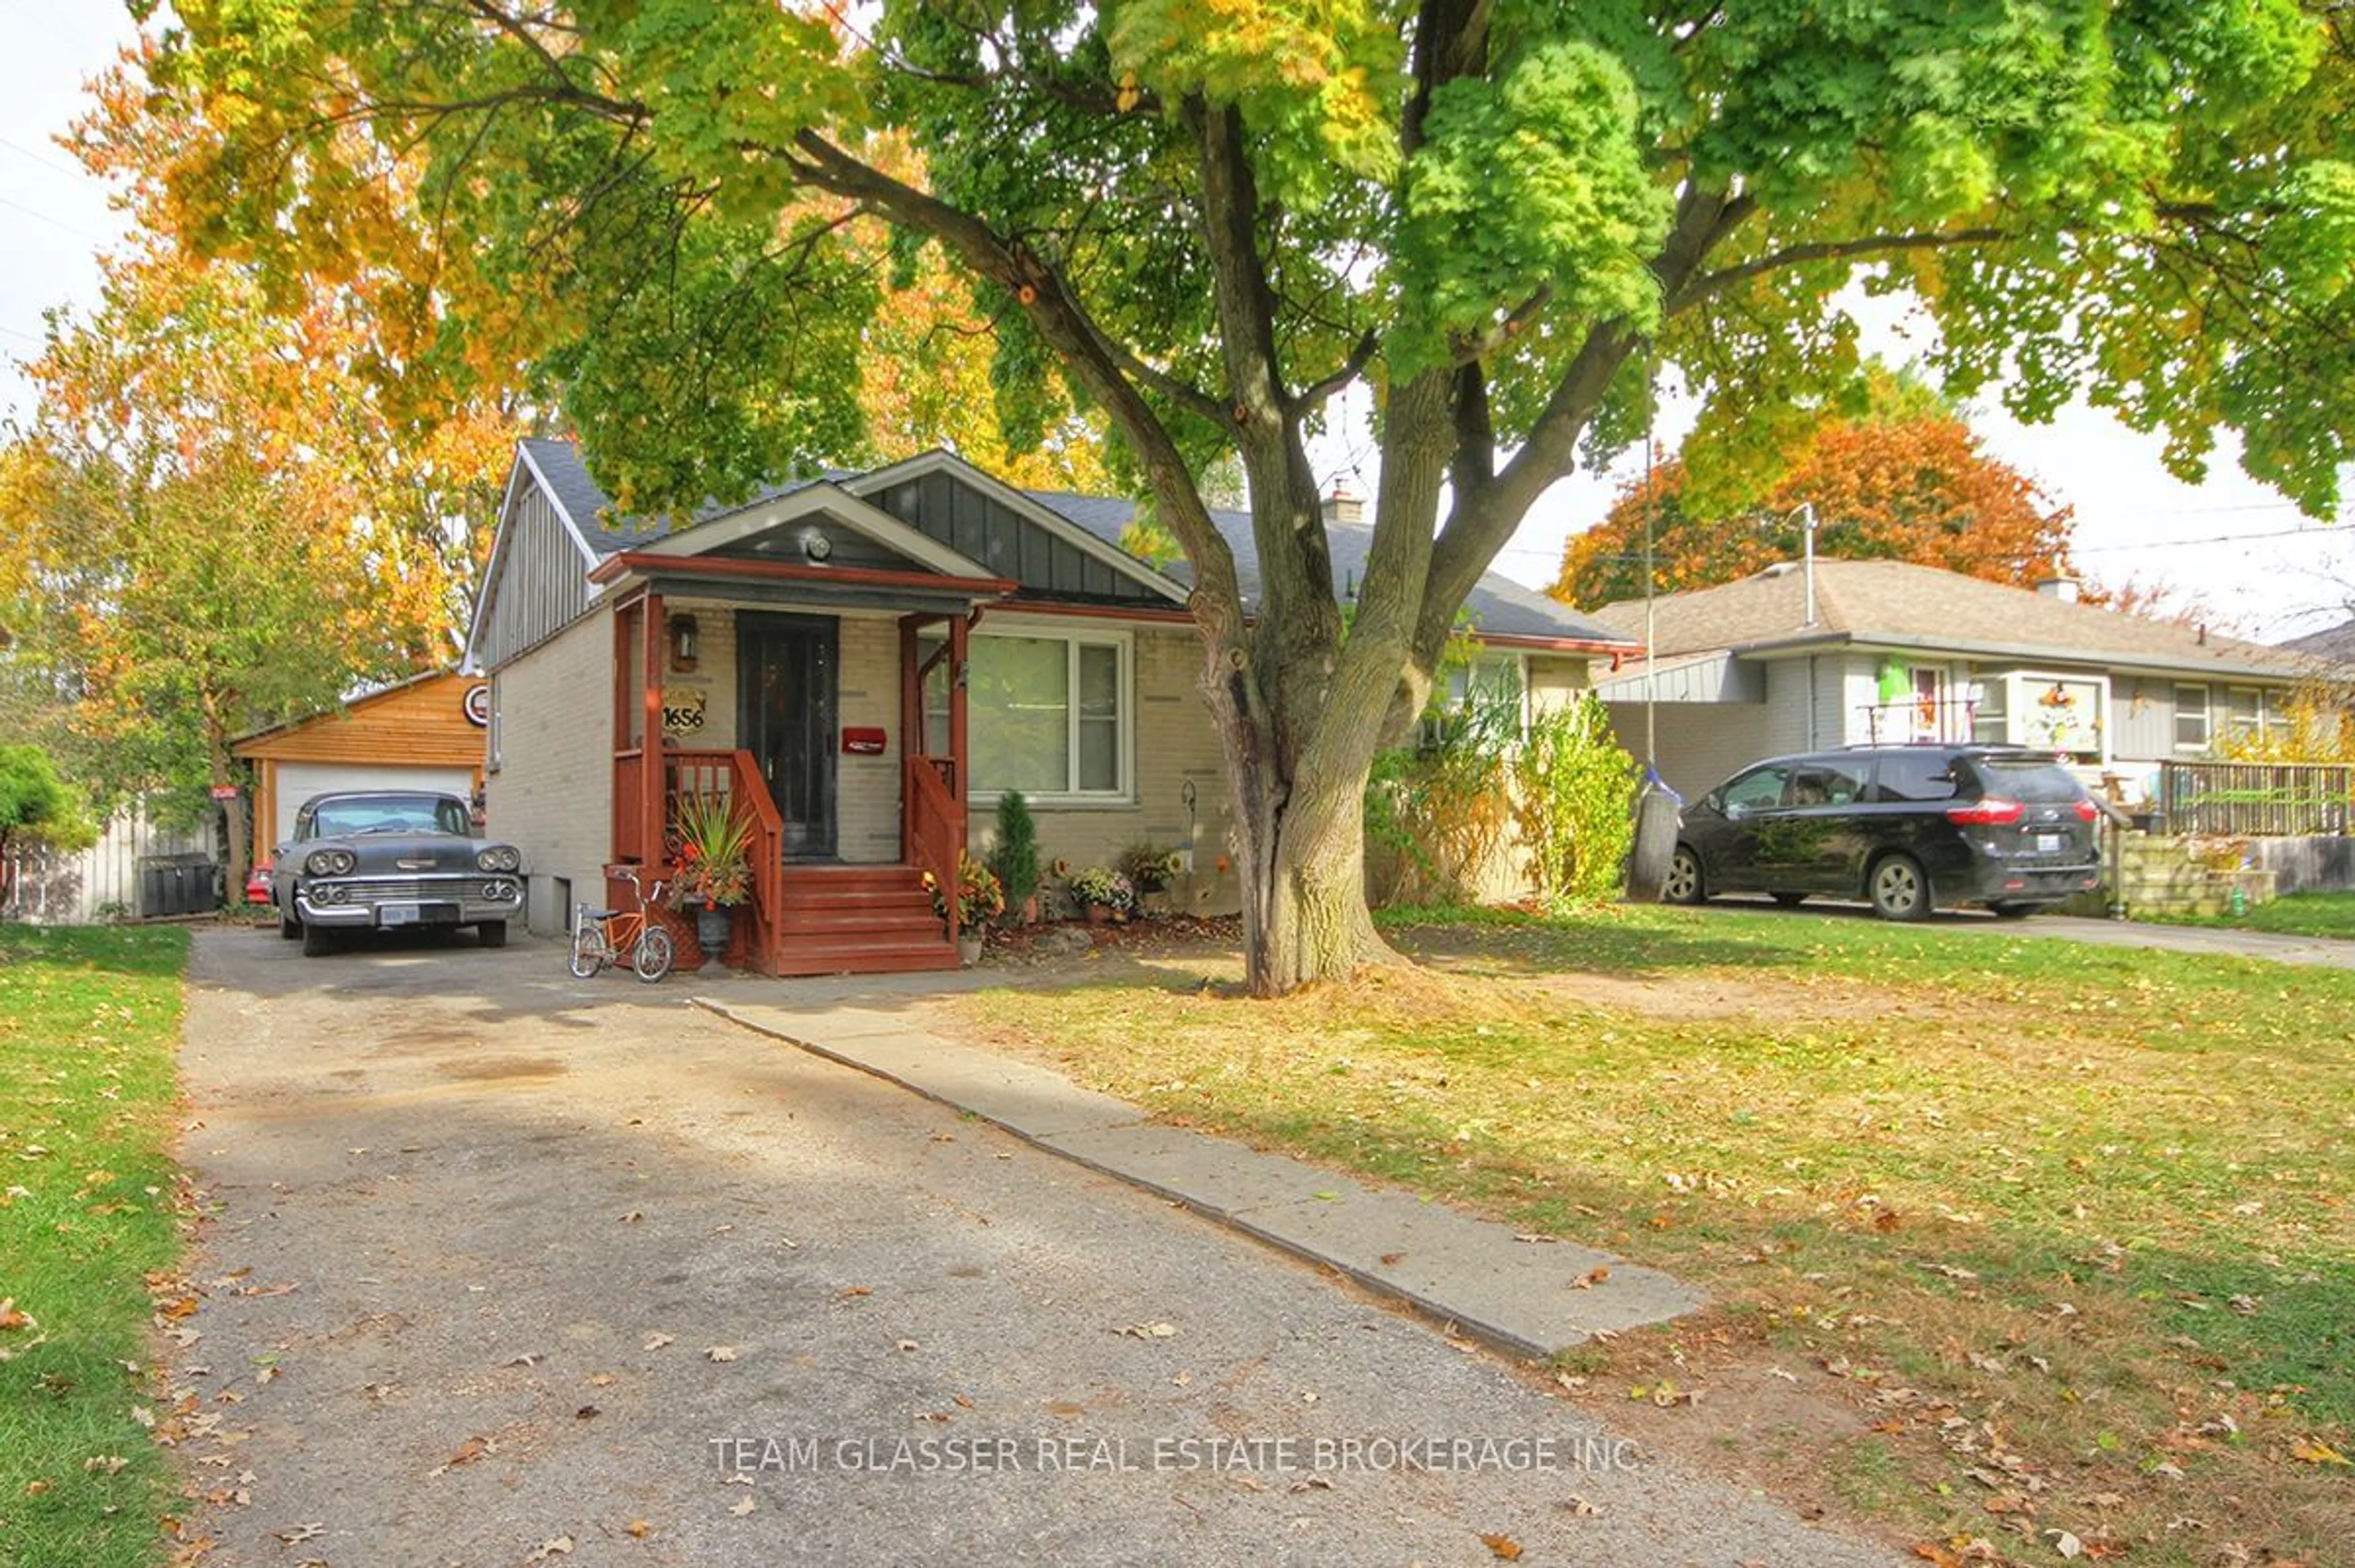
(54, 222)
(44, 159)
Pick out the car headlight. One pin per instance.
(500, 859)
(498, 889)
(330, 863)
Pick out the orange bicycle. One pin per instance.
(602, 936)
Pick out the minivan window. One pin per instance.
(1827, 784)
(2028, 779)
(1917, 775)
(1755, 791)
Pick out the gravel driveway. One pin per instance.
(504, 1266)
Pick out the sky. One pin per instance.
(2255, 561)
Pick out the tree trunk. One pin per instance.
(216, 754)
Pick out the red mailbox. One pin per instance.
(858, 742)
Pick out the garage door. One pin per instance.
(298, 782)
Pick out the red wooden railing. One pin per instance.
(629, 806)
(734, 776)
(935, 829)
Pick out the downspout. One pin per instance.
(1814, 733)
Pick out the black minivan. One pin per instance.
(1906, 828)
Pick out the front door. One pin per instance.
(786, 673)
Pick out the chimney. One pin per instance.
(1343, 505)
(2064, 589)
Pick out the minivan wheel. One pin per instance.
(1683, 884)
(1899, 888)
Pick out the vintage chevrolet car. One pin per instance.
(382, 859)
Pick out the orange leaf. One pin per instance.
(1503, 1546)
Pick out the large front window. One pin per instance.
(1047, 714)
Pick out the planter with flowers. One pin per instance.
(1104, 893)
(980, 898)
(714, 873)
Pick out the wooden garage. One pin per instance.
(424, 734)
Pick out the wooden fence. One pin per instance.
(103, 881)
(2255, 800)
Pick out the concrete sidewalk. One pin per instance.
(1531, 1296)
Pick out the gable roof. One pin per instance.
(2336, 643)
(1500, 608)
(1892, 603)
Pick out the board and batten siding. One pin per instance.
(542, 582)
(983, 529)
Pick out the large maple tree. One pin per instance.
(1206, 219)
(1916, 488)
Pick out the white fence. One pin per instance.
(100, 882)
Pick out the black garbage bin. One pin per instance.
(177, 884)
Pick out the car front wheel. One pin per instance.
(1899, 888)
(318, 941)
(491, 932)
(1683, 885)
(289, 928)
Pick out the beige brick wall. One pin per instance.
(1174, 742)
(552, 793)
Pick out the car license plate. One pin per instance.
(399, 914)
(2048, 843)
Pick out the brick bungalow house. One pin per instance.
(863, 661)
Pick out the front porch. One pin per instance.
(848, 816)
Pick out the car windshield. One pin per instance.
(2033, 779)
(389, 814)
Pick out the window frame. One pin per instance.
(1123, 641)
(2207, 713)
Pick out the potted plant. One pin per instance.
(714, 873)
(1104, 893)
(979, 898)
(1150, 868)
(1013, 857)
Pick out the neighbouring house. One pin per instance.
(1877, 652)
(2335, 645)
(862, 661)
(425, 733)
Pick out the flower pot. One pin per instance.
(969, 948)
(713, 923)
(1099, 915)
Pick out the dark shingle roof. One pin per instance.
(2336, 643)
(559, 462)
(1498, 606)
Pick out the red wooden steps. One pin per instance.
(857, 919)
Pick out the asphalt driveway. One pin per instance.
(503, 1266)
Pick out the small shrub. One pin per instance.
(1013, 857)
(1151, 866)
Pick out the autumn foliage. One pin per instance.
(1916, 489)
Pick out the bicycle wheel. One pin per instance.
(654, 952)
(588, 950)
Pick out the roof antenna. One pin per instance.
(1806, 514)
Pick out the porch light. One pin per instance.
(686, 642)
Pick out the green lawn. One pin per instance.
(2096, 1198)
(89, 1204)
(2293, 915)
